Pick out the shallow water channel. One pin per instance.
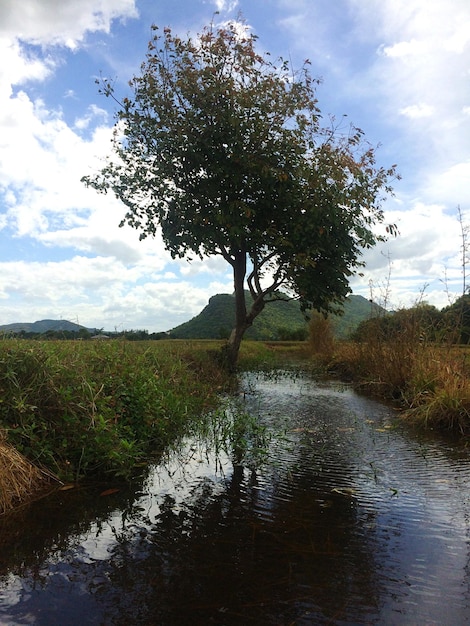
(352, 519)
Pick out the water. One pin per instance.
(354, 519)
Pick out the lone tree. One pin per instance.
(223, 151)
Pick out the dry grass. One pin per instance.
(321, 336)
(19, 479)
(431, 381)
(439, 396)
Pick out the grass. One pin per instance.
(430, 381)
(85, 408)
(93, 409)
(439, 390)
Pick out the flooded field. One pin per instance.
(351, 519)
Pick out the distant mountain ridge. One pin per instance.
(279, 319)
(43, 326)
(217, 319)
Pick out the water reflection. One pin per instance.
(354, 520)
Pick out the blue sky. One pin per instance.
(400, 70)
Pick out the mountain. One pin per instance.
(279, 319)
(217, 319)
(356, 309)
(42, 326)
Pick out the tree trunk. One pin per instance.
(232, 347)
(243, 320)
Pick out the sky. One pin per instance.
(399, 70)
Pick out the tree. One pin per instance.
(457, 319)
(421, 323)
(222, 151)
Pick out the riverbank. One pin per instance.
(90, 408)
(430, 382)
(75, 410)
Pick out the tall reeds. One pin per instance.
(321, 336)
(404, 359)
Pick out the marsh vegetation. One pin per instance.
(417, 357)
(87, 410)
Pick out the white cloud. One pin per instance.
(100, 292)
(42, 160)
(18, 66)
(93, 114)
(63, 22)
(210, 265)
(450, 186)
(225, 5)
(415, 111)
(426, 252)
(403, 49)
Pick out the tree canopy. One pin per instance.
(224, 152)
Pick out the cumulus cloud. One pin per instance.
(41, 162)
(93, 114)
(451, 185)
(19, 66)
(210, 265)
(412, 76)
(63, 22)
(99, 291)
(426, 254)
(403, 49)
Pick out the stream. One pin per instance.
(348, 517)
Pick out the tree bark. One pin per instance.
(243, 319)
(232, 347)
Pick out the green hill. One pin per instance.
(42, 326)
(217, 319)
(277, 320)
(356, 309)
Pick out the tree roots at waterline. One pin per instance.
(19, 479)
